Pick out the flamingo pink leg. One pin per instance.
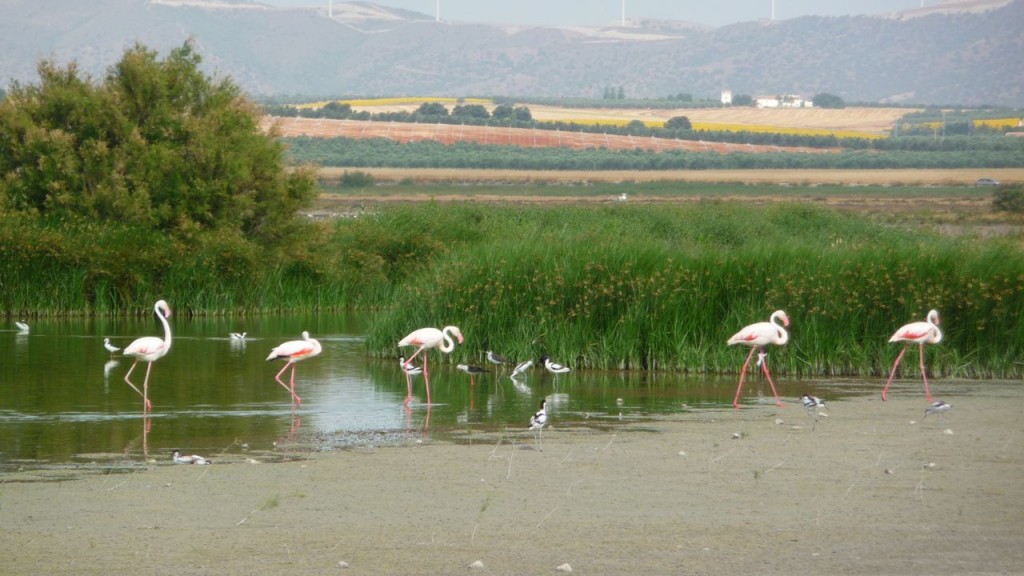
(146, 405)
(408, 385)
(924, 373)
(291, 389)
(426, 379)
(736, 400)
(764, 368)
(893, 373)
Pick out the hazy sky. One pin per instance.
(602, 12)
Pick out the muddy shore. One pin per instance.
(869, 489)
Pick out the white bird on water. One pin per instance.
(192, 459)
(553, 367)
(22, 326)
(238, 336)
(538, 421)
(520, 369)
(110, 347)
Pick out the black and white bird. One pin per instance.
(410, 369)
(193, 459)
(814, 406)
(238, 336)
(520, 369)
(937, 407)
(110, 347)
(812, 402)
(496, 359)
(538, 421)
(553, 367)
(22, 326)
(472, 370)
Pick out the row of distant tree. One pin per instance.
(379, 152)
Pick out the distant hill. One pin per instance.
(962, 52)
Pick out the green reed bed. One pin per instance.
(614, 286)
(84, 268)
(664, 287)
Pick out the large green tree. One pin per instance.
(156, 143)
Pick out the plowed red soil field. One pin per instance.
(525, 137)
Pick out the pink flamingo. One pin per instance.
(149, 349)
(757, 336)
(294, 351)
(922, 333)
(431, 338)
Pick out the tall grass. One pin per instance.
(618, 285)
(664, 287)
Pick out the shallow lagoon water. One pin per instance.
(63, 398)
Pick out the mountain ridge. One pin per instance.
(963, 52)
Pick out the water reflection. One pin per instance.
(64, 398)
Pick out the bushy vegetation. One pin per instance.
(110, 191)
(1009, 198)
(156, 144)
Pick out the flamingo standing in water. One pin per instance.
(431, 338)
(758, 336)
(921, 333)
(149, 349)
(291, 352)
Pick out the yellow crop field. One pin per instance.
(999, 122)
(852, 122)
(714, 126)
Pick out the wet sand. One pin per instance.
(870, 489)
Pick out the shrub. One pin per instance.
(1009, 198)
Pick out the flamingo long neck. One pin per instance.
(448, 344)
(933, 319)
(167, 328)
(782, 335)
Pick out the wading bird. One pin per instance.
(520, 369)
(193, 459)
(410, 371)
(426, 338)
(22, 326)
(149, 349)
(110, 347)
(937, 407)
(758, 336)
(496, 359)
(537, 423)
(920, 333)
(814, 406)
(291, 352)
(553, 367)
(238, 336)
(472, 370)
